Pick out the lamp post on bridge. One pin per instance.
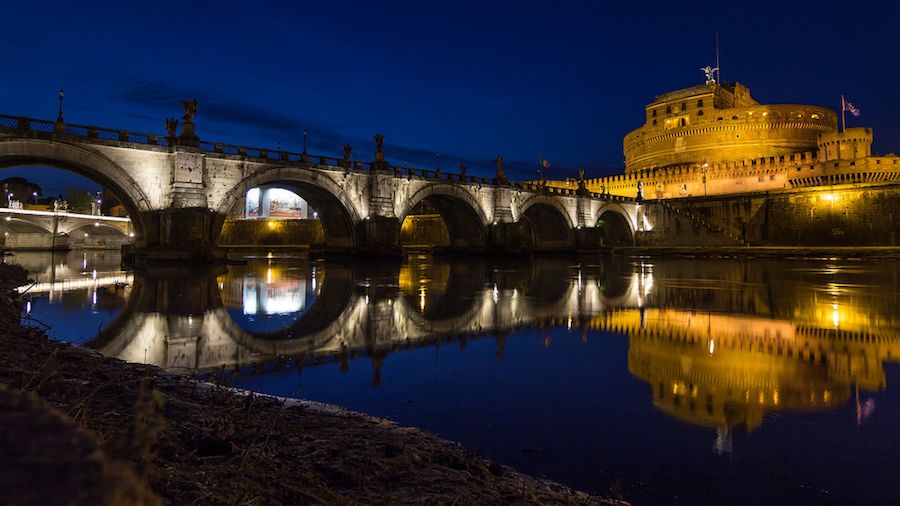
(61, 95)
(34, 196)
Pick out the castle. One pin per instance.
(715, 139)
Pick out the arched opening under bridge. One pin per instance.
(293, 207)
(443, 217)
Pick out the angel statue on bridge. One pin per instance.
(190, 110)
(379, 151)
(172, 127)
(348, 151)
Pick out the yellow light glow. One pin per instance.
(712, 346)
(775, 398)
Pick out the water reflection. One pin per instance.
(78, 292)
(262, 296)
(721, 346)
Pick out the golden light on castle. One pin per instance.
(716, 139)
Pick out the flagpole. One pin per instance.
(843, 114)
(718, 67)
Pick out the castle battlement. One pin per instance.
(714, 123)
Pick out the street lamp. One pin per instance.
(61, 95)
(34, 196)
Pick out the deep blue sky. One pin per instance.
(469, 79)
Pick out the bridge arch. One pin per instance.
(548, 221)
(85, 162)
(617, 224)
(464, 217)
(18, 225)
(336, 209)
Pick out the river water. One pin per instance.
(670, 381)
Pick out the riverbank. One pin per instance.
(139, 433)
(785, 252)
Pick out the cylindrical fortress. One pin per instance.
(719, 123)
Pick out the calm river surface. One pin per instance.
(672, 381)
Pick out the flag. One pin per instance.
(850, 107)
(546, 163)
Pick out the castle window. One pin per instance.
(668, 109)
(654, 113)
(734, 117)
(683, 122)
(699, 102)
(654, 122)
(683, 106)
(700, 113)
(815, 116)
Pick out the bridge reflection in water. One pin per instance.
(719, 346)
(793, 351)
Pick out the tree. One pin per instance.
(80, 200)
(21, 188)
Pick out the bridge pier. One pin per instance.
(380, 235)
(588, 238)
(185, 234)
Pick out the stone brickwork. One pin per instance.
(842, 215)
(272, 233)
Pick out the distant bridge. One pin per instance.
(31, 229)
(178, 191)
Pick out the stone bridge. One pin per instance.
(30, 229)
(178, 191)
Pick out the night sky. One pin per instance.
(566, 80)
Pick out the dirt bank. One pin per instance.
(160, 436)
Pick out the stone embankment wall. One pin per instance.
(424, 230)
(272, 233)
(845, 215)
